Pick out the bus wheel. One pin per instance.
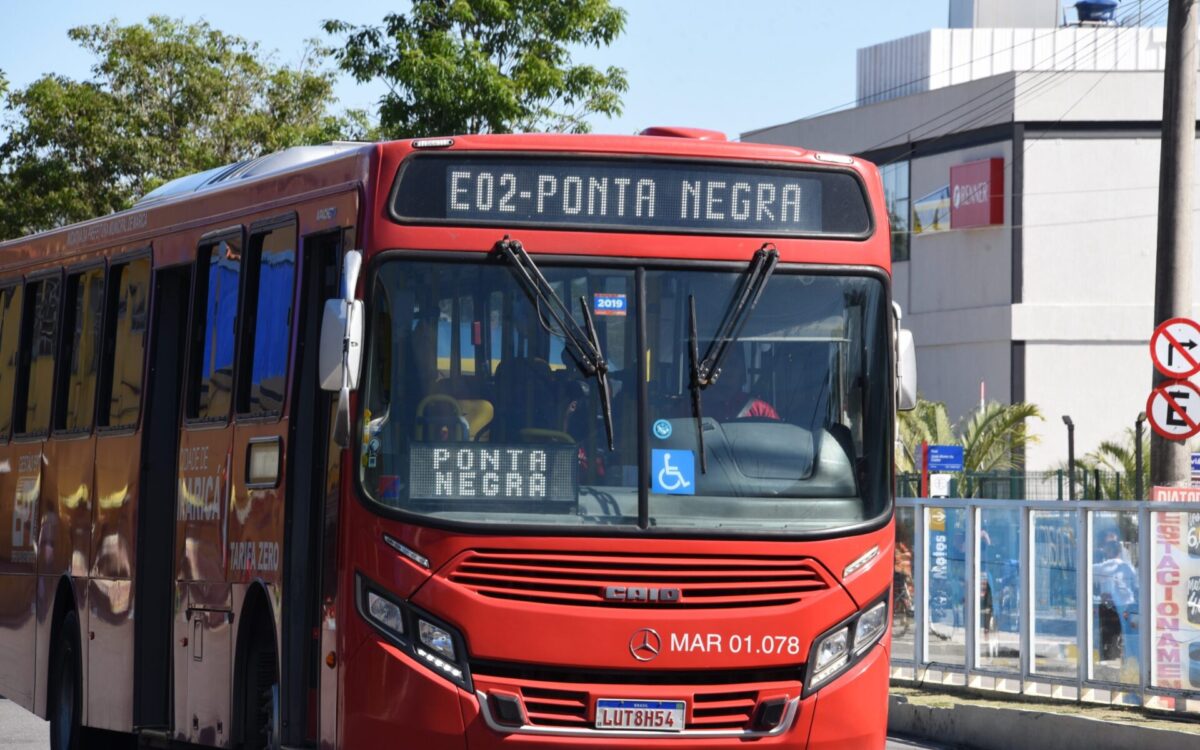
(261, 730)
(66, 694)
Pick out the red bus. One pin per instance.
(474, 442)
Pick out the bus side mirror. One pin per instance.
(340, 357)
(906, 371)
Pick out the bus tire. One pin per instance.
(261, 696)
(66, 692)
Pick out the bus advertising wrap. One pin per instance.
(632, 194)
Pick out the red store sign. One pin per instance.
(977, 194)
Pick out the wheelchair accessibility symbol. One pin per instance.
(673, 472)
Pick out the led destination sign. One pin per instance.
(494, 473)
(636, 195)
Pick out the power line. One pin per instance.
(987, 105)
(1146, 22)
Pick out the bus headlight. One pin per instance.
(385, 612)
(869, 627)
(839, 648)
(436, 638)
(436, 644)
(831, 653)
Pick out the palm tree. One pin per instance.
(993, 438)
(1117, 462)
(928, 423)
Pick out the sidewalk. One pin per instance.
(965, 719)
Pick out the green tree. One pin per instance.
(993, 439)
(486, 66)
(1116, 460)
(166, 98)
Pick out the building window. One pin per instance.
(895, 192)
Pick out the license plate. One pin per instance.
(651, 716)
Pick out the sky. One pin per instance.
(728, 65)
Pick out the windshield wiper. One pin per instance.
(760, 270)
(705, 372)
(583, 347)
(696, 387)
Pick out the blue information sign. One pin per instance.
(945, 458)
(1195, 463)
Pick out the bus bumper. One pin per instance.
(848, 714)
(421, 710)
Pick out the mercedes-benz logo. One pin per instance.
(645, 644)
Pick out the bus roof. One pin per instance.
(339, 161)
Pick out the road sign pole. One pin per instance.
(924, 469)
(1169, 461)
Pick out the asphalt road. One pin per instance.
(21, 730)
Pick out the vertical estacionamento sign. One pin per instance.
(977, 194)
(1174, 615)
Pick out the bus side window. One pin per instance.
(213, 336)
(39, 329)
(267, 321)
(10, 339)
(82, 316)
(125, 319)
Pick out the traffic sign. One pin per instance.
(945, 458)
(1174, 410)
(1174, 348)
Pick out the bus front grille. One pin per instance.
(571, 705)
(659, 580)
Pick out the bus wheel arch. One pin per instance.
(256, 700)
(64, 683)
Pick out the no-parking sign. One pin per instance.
(1173, 410)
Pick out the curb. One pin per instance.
(987, 728)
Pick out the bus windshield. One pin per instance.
(474, 410)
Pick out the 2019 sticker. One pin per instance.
(610, 303)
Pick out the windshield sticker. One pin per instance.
(662, 429)
(673, 472)
(608, 303)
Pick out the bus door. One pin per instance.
(57, 520)
(155, 475)
(18, 517)
(203, 616)
(95, 521)
(308, 552)
(260, 443)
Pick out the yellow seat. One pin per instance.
(440, 419)
(478, 412)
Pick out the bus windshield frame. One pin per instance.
(464, 427)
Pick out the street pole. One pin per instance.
(1169, 462)
(1070, 454)
(1137, 453)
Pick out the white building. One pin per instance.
(1021, 166)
